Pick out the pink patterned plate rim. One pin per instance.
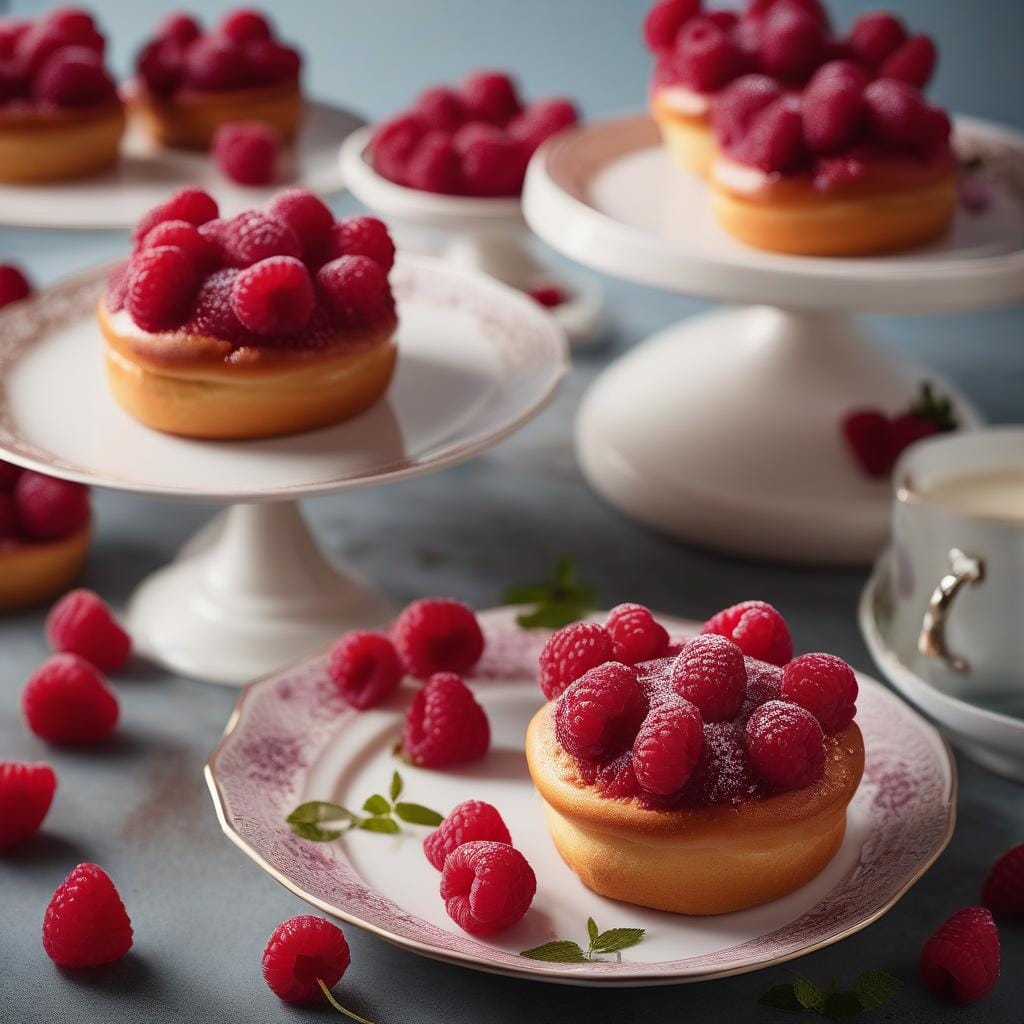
(291, 738)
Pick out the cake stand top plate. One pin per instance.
(608, 195)
(477, 361)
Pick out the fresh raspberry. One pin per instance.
(900, 116)
(725, 20)
(826, 686)
(26, 792)
(435, 166)
(43, 40)
(85, 924)
(14, 81)
(67, 701)
(834, 112)
(76, 27)
(74, 77)
(792, 42)
(664, 20)
(710, 673)
(271, 62)
(667, 747)
(540, 120)
(635, 635)
(601, 712)
(913, 62)
(247, 152)
(440, 108)
(214, 314)
(616, 779)
(162, 283)
(357, 290)
(48, 508)
(786, 745)
(9, 528)
(11, 30)
(471, 821)
(570, 652)
(253, 236)
(191, 204)
(13, 285)
(9, 474)
(179, 28)
(366, 668)
(908, 428)
(307, 215)
(706, 56)
(300, 951)
(876, 35)
(493, 163)
(203, 253)
(960, 962)
(245, 25)
(775, 140)
(841, 69)
(490, 96)
(393, 143)
(1003, 891)
(764, 683)
(757, 628)
(868, 434)
(486, 887)
(549, 296)
(216, 63)
(733, 109)
(438, 634)
(445, 725)
(758, 9)
(274, 296)
(82, 623)
(362, 236)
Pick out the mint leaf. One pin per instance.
(307, 830)
(561, 951)
(379, 823)
(781, 997)
(592, 931)
(615, 939)
(873, 988)
(525, 594)
(552, 615)
(842, 1006)
(416, 814)
(808, 995)
(376, 804)
(316, 811)
(396, 787)
(557, 601)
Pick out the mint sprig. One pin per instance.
(322, 822)
(556, 602)
(565, 951)
(871, 990)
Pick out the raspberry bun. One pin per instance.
(189, 83)
(701, 782)
(60, 115)
(274, 321)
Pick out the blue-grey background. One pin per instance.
(201, 911)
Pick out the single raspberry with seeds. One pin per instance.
(834, 113)
(1003, 891)
(874, 36)
(440, 108)
(667, 747)
(569, 653)
(471, 821)
(13, 285)
(616, 779)
(540, 120)
(635, 635)
(244, 25)
(960, 962)
(792, 42)
(270, 62)
(357, 290)
(706, 56)
(191, 204)
(393, 144)
(26, 792)
(247, 152)
(162, 283)
(601, 712)
(900, 116)
(82, 623)
(435, 165)
(66, 700)
(74, 77)
(764, 683)
(366, 668)
(493, 163)
(14, 82)
(711, 674)
(48, 508)
(362, 236)
(85, 924)
(307, 215)
(274, 296)
(826, 686)
(758, 9)
(775, 139)
(202, 252)
(254, 235)
(445, 725)
(757, 628)
(664, 20)
(179, 28)
(76, 27)
(214, 314)
(786, 745)
(216, 63)
(438, 634)
(913, 62)
(487, 887)
(490, 96)
(301, 951)
(736, 105)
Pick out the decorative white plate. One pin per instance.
(291, 739)
(148, 174)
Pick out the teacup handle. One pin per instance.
(964, 570)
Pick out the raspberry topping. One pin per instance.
(635, 635)
(245, 25)
(960, 962)
(48, 508)
(775, 140)
(435, 166)
(254, 235)
(826, 686)
(366, 668)
(216, 64)
(445, 725)
(82, 623)
(667, 747)
(162, 283)
(757, 628)
(271, 63)
(486, 887)
(13, 285)
(1003, 891)
(85, 923)
(792, 41)
(307, 215)
(300, 951)
(247, 152)
(490, 96)
(74, 77)
(600, 713)
(664, 20)
(189, 204)
(274, 296)
(160, 66)
(67, 701)
(540, 120)
(493, 162)
(202, 252)
(706, 56)
(8, 518)
(179, 28)
(786, 745)
(393, 143)
(362, 236)
(913, 62)
(571, 652)
(214, 313)
(900, 117)
(733, 109)
(875, 36)
(471, 821)
(26, 792)
(710, 673)
(356, 288)
(440, 108)
(436, 634)
(834, 110)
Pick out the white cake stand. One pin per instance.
(483, 234)
(253, 591)
(147, 174)
(724, 430)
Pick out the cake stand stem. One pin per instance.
(249, 594)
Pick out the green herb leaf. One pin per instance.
(842, 1006)
(873, 988)
(552, 615)
(525, 594)
(316, 834)
(376, 804)
(396, 786)
(379, 823)
(781, 997)
(416, 814)
(615, 939)
(592, 930)
(316, 811)
(808, 995)
(557, 602)
(561, 951)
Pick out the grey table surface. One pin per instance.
(138, 806)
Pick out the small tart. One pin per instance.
(684, 121)
(693, 860)
(35, 571)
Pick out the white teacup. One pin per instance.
(958, 561)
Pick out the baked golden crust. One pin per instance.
(34, 572)
(687, 137)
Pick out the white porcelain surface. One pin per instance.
(148, 174)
